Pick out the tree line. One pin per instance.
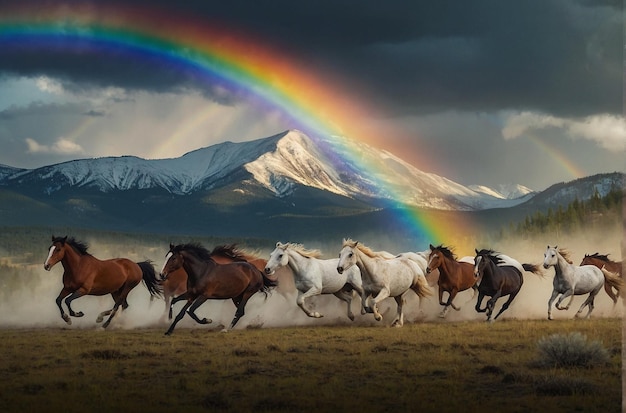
(598, 212)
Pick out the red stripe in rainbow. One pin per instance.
(317, 104)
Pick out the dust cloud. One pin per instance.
(28, 299)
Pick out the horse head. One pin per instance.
(55, 253)
(173, 261)
(550, 257)
(278, 258)
(347, 258)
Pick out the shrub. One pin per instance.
(572, 350)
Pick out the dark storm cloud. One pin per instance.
(558, 56)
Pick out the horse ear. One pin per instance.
(171, 246)
(53, 237)
(476, 251)
(431, 247)
(278, 244)
(64, 239)
(556, 247)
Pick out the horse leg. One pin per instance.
(399, 321)
(569, 293)
(506, 304)
(64, 293)
(445, 305)
(183, 296)
(240, 310)
(453, 294)
(555, 293)
(384, 293)
(347, 297)
(588, 302)
(609, 291)
(481, 297)
(301, 303)
(68, 302)
(491, 304)
(116, 297)
(179, 316)
(199, 301)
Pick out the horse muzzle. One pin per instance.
(268, 271)
(47, 267)
(428, 270)
(340, 270)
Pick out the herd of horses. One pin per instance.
(193, 274)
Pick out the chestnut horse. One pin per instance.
(175, 284)
(84, 274)
(207, 279)
(454, 276)
(613, 266)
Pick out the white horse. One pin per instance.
(314, 276)
(384, 275)
(571, 280)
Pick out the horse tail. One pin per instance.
(423, 290)
(534, 268)
(152, 283)
(613, 279)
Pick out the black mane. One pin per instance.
(601, 257)
(195, 249)
(447, 252)
(491, 254)
(79, 246)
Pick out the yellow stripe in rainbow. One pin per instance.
(558, 156)
(314, 103)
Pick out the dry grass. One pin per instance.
(443, 367)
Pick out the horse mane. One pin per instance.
(299, 248)
(194, 248)
(365, 249)
(229, 251)
(601, 257)
(79, 246)
(494, 256)
(447, 252)
(566, 255)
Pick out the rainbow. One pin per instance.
(316, 104)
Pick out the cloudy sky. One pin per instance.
(484, 92)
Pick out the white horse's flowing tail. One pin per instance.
(613, 279)
(422, 290)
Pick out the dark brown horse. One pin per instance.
(207, 279)
(615, 267)
(175, 284)
(84, 274)
(499, 275)
(454, 276)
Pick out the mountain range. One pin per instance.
(249, 188)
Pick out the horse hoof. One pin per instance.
(99, 319)
(79, 314)
(68, 320)
(351, 317)
(378, 317)
(224, 330)
(317, 315)
(206, 321)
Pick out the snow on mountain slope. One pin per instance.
(279, 163)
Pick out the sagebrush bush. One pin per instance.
(572, 350)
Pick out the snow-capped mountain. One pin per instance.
(279, 163)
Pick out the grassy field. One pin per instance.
(426, 367)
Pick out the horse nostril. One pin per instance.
(340, 270)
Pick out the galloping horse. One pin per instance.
(315, 276)
(613, 266)
(84, 274)
(498, 276)
(571, 280)
(454, 276)
(176, 282)
(207, 279)
(383, 276)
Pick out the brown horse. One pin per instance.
(84, 274)
(615, 267)
(175, 284)
(207, 279)
(454, 276)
